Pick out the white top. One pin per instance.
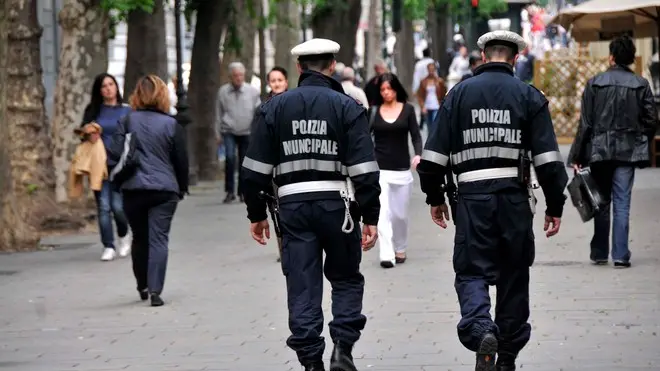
(431, 101)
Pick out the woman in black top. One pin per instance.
(392, 121)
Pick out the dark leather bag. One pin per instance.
(585, 195)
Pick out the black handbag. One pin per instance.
(585, 194)
(123, 154)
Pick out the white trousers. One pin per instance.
(396, 189)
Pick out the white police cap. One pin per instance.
(504, 37)
(315, 47)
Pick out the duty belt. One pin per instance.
(502, 173)
(486, 174)
(345, 189)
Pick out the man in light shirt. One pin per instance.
(348, 83)
(236, 103)
(421, 68)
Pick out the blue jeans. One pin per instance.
(109, 201)
(615, 181)
(232, 143)
(430, 119)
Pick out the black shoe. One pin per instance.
(506, 361)
(387, 264)
(486, 353)
(144, 294)
(156, 301)
(621, 264)
(342, 359)
(599, 261)
(229, 198)
(315, 367)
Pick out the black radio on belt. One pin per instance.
(524, 168)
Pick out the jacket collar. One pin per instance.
(313, 78)
(618, 67)
(494, 67)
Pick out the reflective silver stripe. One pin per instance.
(363, 168)
(544, 158)
(436, 157)
(257, 166)
(310, 164)
(485, 174)
(485, 152)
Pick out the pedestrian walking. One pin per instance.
(235, 106)
(618, 121)
(488, 125)
(315, 140)
(392, 121)
(153, 190)
(106, 109)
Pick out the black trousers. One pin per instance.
(494, 246)
(150, 216)
(309, 229)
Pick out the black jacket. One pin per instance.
(486, 122)
(617, 121)
(314, 132)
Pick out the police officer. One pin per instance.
(315, 140)
(487, 125)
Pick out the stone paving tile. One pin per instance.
(65, 310)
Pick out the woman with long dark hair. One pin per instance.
(106, 109)
(392, 119)
(278, 81)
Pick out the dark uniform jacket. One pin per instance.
(484, 122)
(312, 133)
(617, 120)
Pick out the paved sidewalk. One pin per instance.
(66, 310)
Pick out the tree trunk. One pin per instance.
(262, 47)
(83, 55)
(439, 29)
(338, 21)
(211, 18)
(404, 55)
(287, 36)
(146, 51)
(245, 30)
(26, 162)
(375, 36)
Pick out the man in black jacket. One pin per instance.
(618, 121)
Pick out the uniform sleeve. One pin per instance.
(577, 154)
(547, 160)
(362, 166)
(435, 156)
(257, 168)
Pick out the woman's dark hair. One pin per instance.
(93, 109)
(401, 94)
(280, 70)
(623, 50)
